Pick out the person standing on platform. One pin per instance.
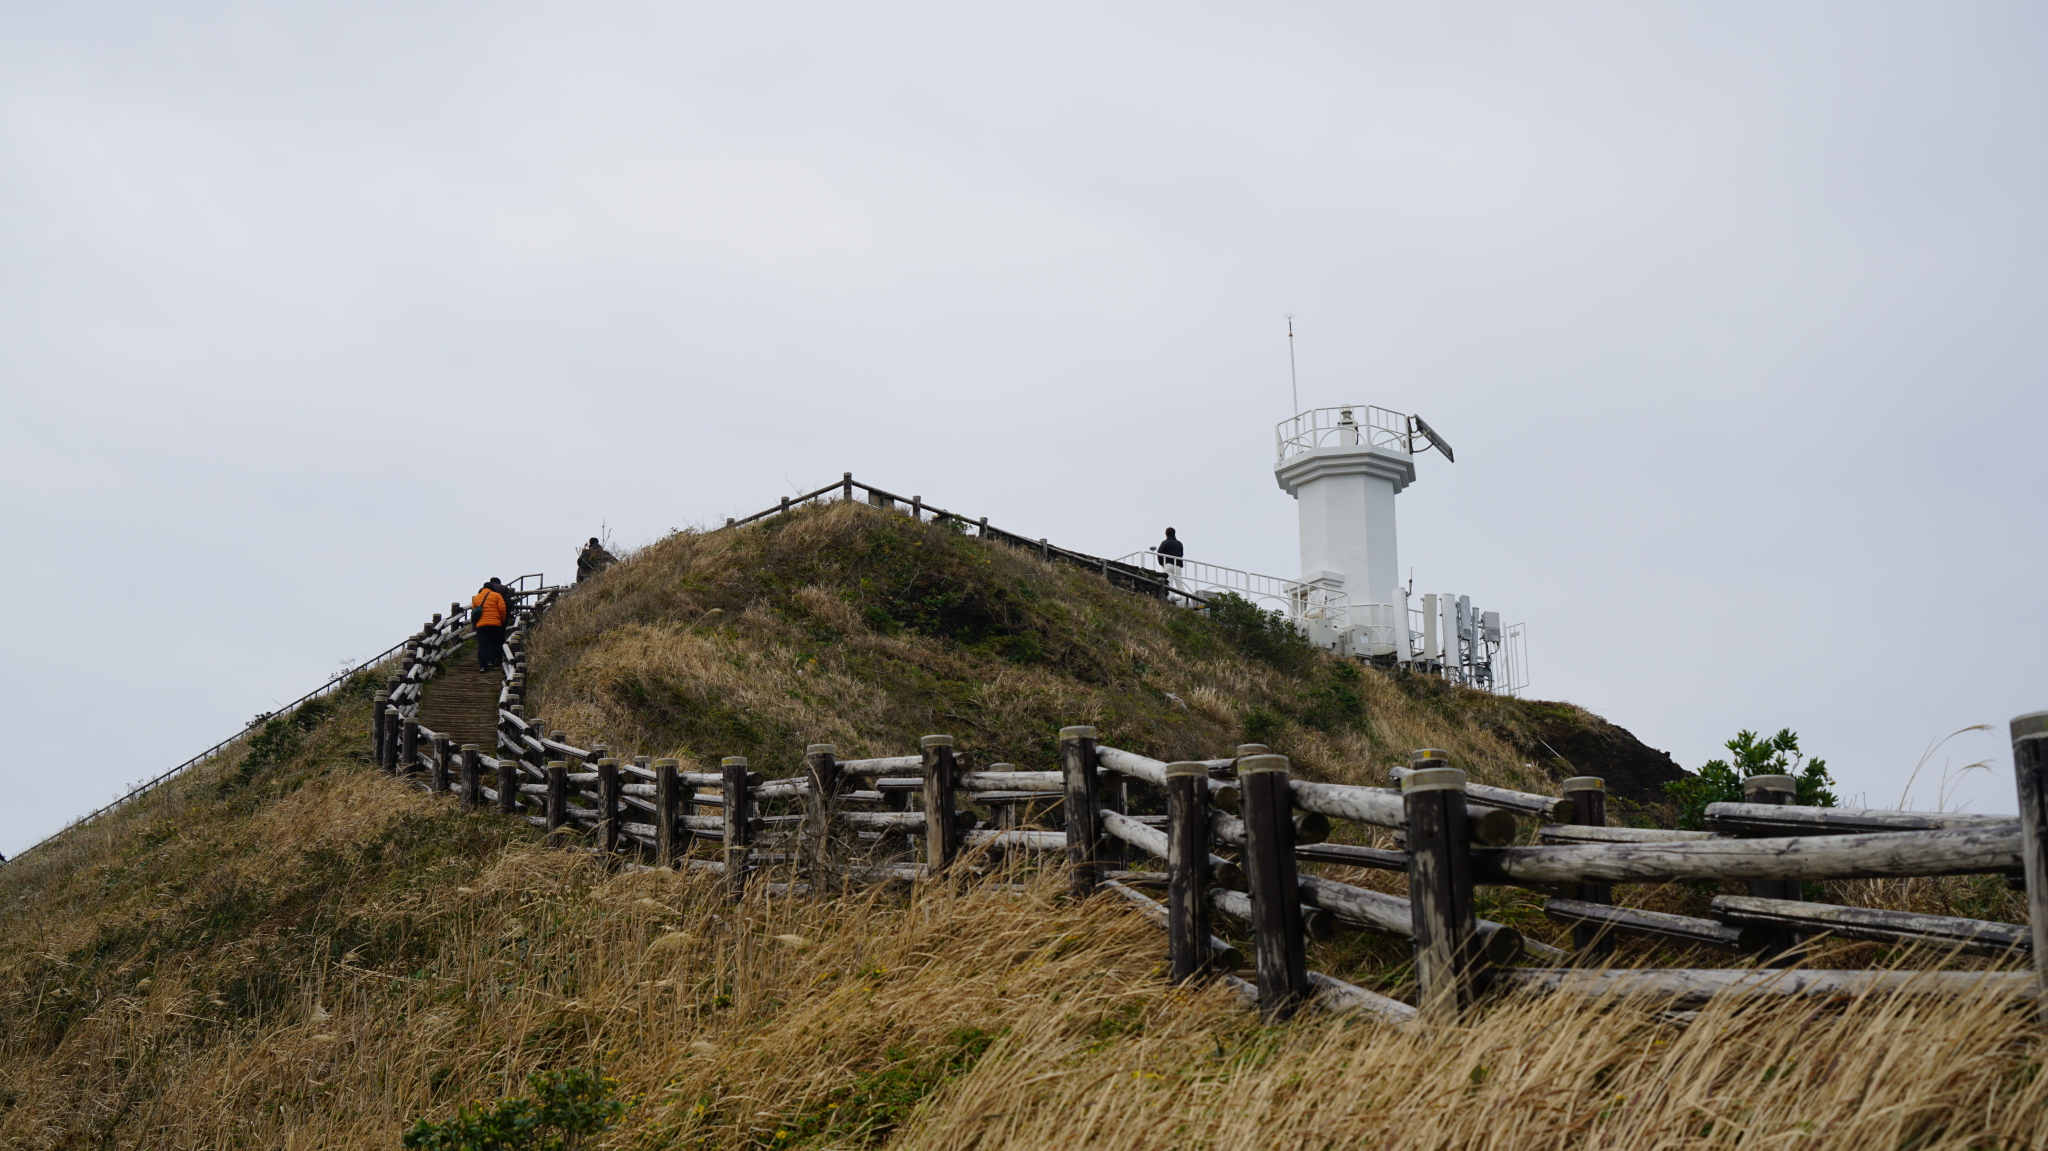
(1170, 553)
(491, 610)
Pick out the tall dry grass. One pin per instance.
(979, 1017)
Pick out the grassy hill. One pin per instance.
(844, 625)
(288, 950)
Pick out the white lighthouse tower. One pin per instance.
(1344, 466)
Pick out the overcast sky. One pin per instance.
(312, 316)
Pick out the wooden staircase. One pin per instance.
(462, 704)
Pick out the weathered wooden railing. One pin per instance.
(1131, 577)
(1236, 830)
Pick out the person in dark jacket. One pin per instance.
(592, 560)
(494, 611)
(1170, 547)
(1170, 551)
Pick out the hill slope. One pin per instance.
(287, 949)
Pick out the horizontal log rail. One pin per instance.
(1973, 936)
(1764, 819)
(1555, 808)
(1657, 924)
(1581, 833)
(1894, 855)
(1692, 988)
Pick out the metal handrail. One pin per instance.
(1341, 427)
(332, 683)
(1297, 599)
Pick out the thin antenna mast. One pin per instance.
(1292, 382)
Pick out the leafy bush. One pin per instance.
(566, 1106)
(1261, 634)
(1720, 781)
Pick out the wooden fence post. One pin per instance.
(508, 786)
(1588, 794)
(1440, 884)
(739, 831)
(1782, 942)
(378, 706)
(408, 746)
(821, 808)
(444, 751)
(608, 804)
(2030, 769)
(472, 788)
(1083, 808)
(848, 480)
(941, 826)
(1187, 870)
(1267, 798)
(392, 722)
(667, 800)
(558, 800)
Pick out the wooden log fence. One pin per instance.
(1237, 834)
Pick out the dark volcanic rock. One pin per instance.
(1633, 770)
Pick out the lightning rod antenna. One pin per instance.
(1292, 381)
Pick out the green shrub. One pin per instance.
(1720, 781)
(565, 1107)
(1261, 634)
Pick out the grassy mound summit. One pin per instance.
(287, 949)
(849, 626)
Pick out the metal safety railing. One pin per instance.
(1351, 426)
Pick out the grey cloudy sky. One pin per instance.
(312, 316)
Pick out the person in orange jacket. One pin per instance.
(493, 611)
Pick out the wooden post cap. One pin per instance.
(668, 763)
(1428, 757)
(1000, 767)
(558, 736)
(1584, 783)
(555, 763)
(733, 761)
(1784, 783)
(1081, 731)
(822, 749)
(2029, 725)
(1254, 764)
(935, 741)
(607, 760)
(1186, 767)
(469, 747)
(640, 761)
(382, 697)
(1244, 749)
(1433, 779)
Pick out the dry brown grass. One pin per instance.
(441, 976)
